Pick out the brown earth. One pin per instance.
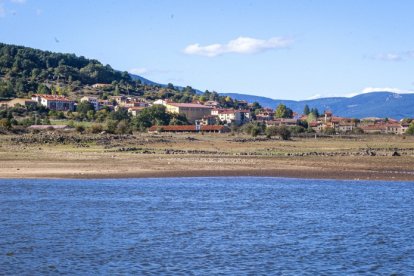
(58, 155)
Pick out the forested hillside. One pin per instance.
(25, 71)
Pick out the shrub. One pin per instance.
(357, 130)
(284, 133)
(111, 126)
(95, 128)
(271, 131)
(255, 131)
(330, 131)
(80, 128)
(297, 129)
(122, 127)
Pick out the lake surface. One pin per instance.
(206, 226)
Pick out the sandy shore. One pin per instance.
(286, 159)
(188, 167)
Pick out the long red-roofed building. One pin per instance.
(54, 102)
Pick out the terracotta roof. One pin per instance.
(226, 111)
(53, 98)
(338, 119)
(187, 128)
(314, 124)
(191, 105)
(393, 125)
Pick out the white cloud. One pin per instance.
(39, 12)
(395, 56)
(18, 1)
(240, 45)
(380, 89)
(387, 89)
(390, 57)
(138, 71)
(314, 97)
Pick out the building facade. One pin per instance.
(191, 111)
(53, 102)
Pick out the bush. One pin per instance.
(5, 123)
(122, 127)
(252, 129)
(297, 129)
(284, 133)
(95, 128)
(330, 131)
(111, 126)
(271, 131)
(255, 131)
(357, 130)
(80, 128)
(410, 130)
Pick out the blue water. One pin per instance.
(206, 226)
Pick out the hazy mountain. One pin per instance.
(375, 104)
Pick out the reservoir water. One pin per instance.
(205, 226)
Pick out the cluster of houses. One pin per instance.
(208, 116)
(366, 125)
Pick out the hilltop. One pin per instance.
(25, 71)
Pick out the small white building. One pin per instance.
(135, 110)
(229, 116)
(93, 100)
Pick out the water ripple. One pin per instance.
(204, 226)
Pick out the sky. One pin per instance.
(292, 49)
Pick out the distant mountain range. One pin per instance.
(376, 104)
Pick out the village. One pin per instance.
(209, 116)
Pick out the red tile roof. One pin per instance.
(190, 105)
(314, 124)
(53, 98)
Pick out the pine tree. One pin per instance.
(306, 110)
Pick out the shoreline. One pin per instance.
(284, 173)
(38, 156)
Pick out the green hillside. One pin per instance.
(23, 70)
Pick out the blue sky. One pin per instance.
(279, 49)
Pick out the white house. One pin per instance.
(54, 102)
(93, 100)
